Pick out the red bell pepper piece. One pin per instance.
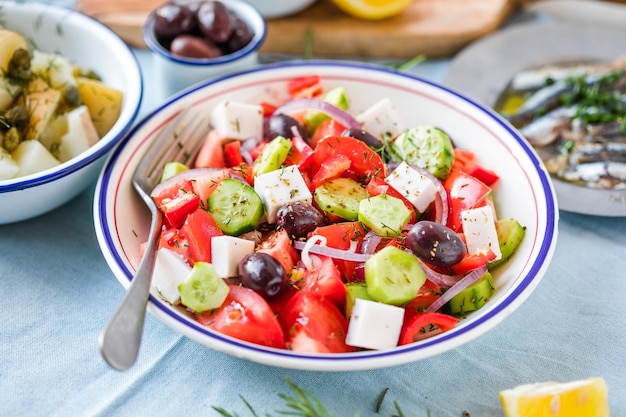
(305, 87)
(473, 261)
(177, 209)
(330, 169)
(466, 161)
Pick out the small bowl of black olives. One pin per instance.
(195, 40)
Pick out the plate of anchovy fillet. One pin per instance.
(563, 86)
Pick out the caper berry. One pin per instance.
(19, 65)
(11, 139)
(71, 95)
(17, 116)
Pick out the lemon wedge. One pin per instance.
(372, 9)
(583, 398)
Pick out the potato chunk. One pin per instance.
(31, 157)
(9, 42)
(81, 134)
(104, 103)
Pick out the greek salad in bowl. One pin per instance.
(323, 223)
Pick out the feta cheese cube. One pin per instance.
(479, 227)
(170, 269)
(227, 252)
(280, 187)
(382, 120)
(374, 325)
(415, 187)
(238, 121)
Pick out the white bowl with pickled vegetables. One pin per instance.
(337, 217)
(69, 89)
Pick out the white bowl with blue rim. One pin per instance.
(524, 192)
(59, 30)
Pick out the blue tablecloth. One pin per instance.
(57, 293)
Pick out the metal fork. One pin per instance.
(179, 141)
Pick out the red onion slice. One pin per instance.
(370, 242)
(465, 282)
(437, 278)
(305, 256)
(310, 246)
(341, 116)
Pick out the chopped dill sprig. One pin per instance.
(406, 66)
(308, 43)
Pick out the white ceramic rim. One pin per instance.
(108, 141)
(245, 11)
(543, 246)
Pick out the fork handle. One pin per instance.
(121, 338)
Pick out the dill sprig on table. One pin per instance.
(304, 403)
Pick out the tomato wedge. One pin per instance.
(301, 153)
(329, 127)
(341, 236)
(473, 261)
(199, 228)
(211, 153)
(428, 294)
(205, 184)
(278, 244)
(232, 154)
(172, 191)
(325, 280)
(424, 325)
(464, 192)
(268, 108)
(245, 315)
(313, 324)
(365, 163)
(173, 239)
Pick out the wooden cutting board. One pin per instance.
(436, 28)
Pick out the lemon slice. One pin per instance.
(583, 398)
(372, 9)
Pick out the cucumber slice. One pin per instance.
(473, 297)
(427, 147)
(384, 214)
(235, 206)
(510, 235)
(393, 276)
(340, 197)
(337, 96)
(355, 290)
(203, 289)
(172, 168)
(273, 156)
